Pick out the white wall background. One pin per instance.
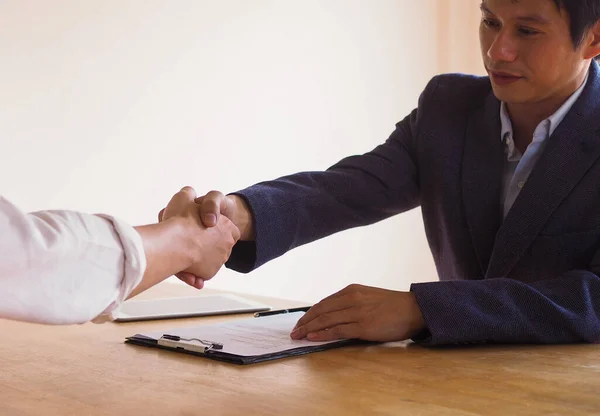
(458, 36)
(112, 106)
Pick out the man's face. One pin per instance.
(528, 52)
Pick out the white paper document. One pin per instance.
(247, 337)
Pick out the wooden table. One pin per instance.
(88, 370)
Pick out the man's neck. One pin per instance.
(524, 120)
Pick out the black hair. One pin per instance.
(583, 14)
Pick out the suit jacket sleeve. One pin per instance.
(358, 190)
(501, 310)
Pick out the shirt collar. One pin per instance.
(553, 121)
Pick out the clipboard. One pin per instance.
(245, 341)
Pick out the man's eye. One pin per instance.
(527, 31)
(490, 23)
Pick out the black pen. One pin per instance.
(279, 311)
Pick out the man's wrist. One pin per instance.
(417, 323)
(168, 250)
(186, 240)
(244, 219)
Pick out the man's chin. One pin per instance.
(506, 95)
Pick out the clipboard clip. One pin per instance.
(208, 345)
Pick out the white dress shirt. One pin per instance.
(65, 267)
(518, 167)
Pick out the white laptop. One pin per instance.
(183, 307)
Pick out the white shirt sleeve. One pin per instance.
(65, 267)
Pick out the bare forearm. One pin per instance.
(168, 251)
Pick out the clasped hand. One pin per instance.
(210, 247)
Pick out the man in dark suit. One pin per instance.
(506, 169)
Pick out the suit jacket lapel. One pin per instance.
(482, 167)
(570, 152)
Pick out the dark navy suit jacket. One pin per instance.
(530, 278)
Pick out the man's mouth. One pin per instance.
(503, 78)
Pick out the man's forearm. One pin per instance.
(561, 310)
(169, 249)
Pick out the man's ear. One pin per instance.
(592, 42)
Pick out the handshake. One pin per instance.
(207, 229)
